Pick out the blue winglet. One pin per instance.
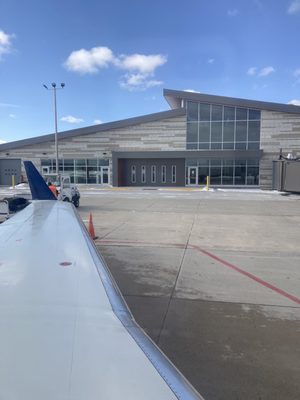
(38, 187)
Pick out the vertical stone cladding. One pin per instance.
(278, 131)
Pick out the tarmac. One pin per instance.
(213, 278)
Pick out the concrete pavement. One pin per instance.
(214, 279)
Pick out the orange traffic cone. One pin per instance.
(91, 228)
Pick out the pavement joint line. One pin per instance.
(221, 261)
(243, 303)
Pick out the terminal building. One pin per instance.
(231, 140)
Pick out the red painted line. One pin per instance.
(225, 263)
(248, 274)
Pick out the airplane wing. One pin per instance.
(65, 330)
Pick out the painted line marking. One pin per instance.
(225, 263)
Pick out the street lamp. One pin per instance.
(54, 89)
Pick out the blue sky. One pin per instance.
(116, 56)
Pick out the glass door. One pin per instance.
(103, 176)
(192, 176)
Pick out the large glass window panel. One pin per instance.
(204, 112)
(240, 145)
(203, 173)
(216, 162)
(204, 131)
(216, 146)
(215, 175)
(241, 131)
(254, 114)
(103, 162)
(192, 111)
(80, 171)
(253, 146)
(229, 113)
(240, 172)
(203, 146)
(203, 162)
(192, 146)
(92, 174)
(216, 112)
(253, 131)
(227, 175)
(192, 132)
(228, 131)
(241, 114)
(228, 145)
(252, 175)
(216, 131)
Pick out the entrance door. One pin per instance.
(192, 176)
(103, 176)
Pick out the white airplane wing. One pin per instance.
(65, 330)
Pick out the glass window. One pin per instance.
(240, 172)
(203, 146)
(227, 173)
(252, 175)
(173, 173)
(204, 131)
(203, 173)
(192, 111)
(204, 112)
(192, 146)
(80, 171)
(153, 173)
(241, 114)
(240, 145)
(216, 131)
(253, 131)
(215, 175)
(241, 131)
(143, 173)
(228, 133)
(192, 132)
(229, 113)
(253, 146)
(133, 174)
(228, 145)
(216, 146)
(254, 114)
(163, 174)
(216, 112)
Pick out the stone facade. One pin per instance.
(278, 131)
(165, 134)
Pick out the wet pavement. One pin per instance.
(213, 278)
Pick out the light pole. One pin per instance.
(54, 89)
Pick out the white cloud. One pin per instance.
(5, 43)
(2, 141)
(8, 105)
(252, 71)
(261, 72)
(98, 121)
(141, 63)
(294, 7)
(296, 73)
(211, 60)
(133, 82)
(89, 61)
(13, 116)
(140, 67)
(266, 71)
(294, 102)
(71, 120)
(232, 13)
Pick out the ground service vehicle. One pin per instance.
(66, 190)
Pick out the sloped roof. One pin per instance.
(94, 129)
(174, 98)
